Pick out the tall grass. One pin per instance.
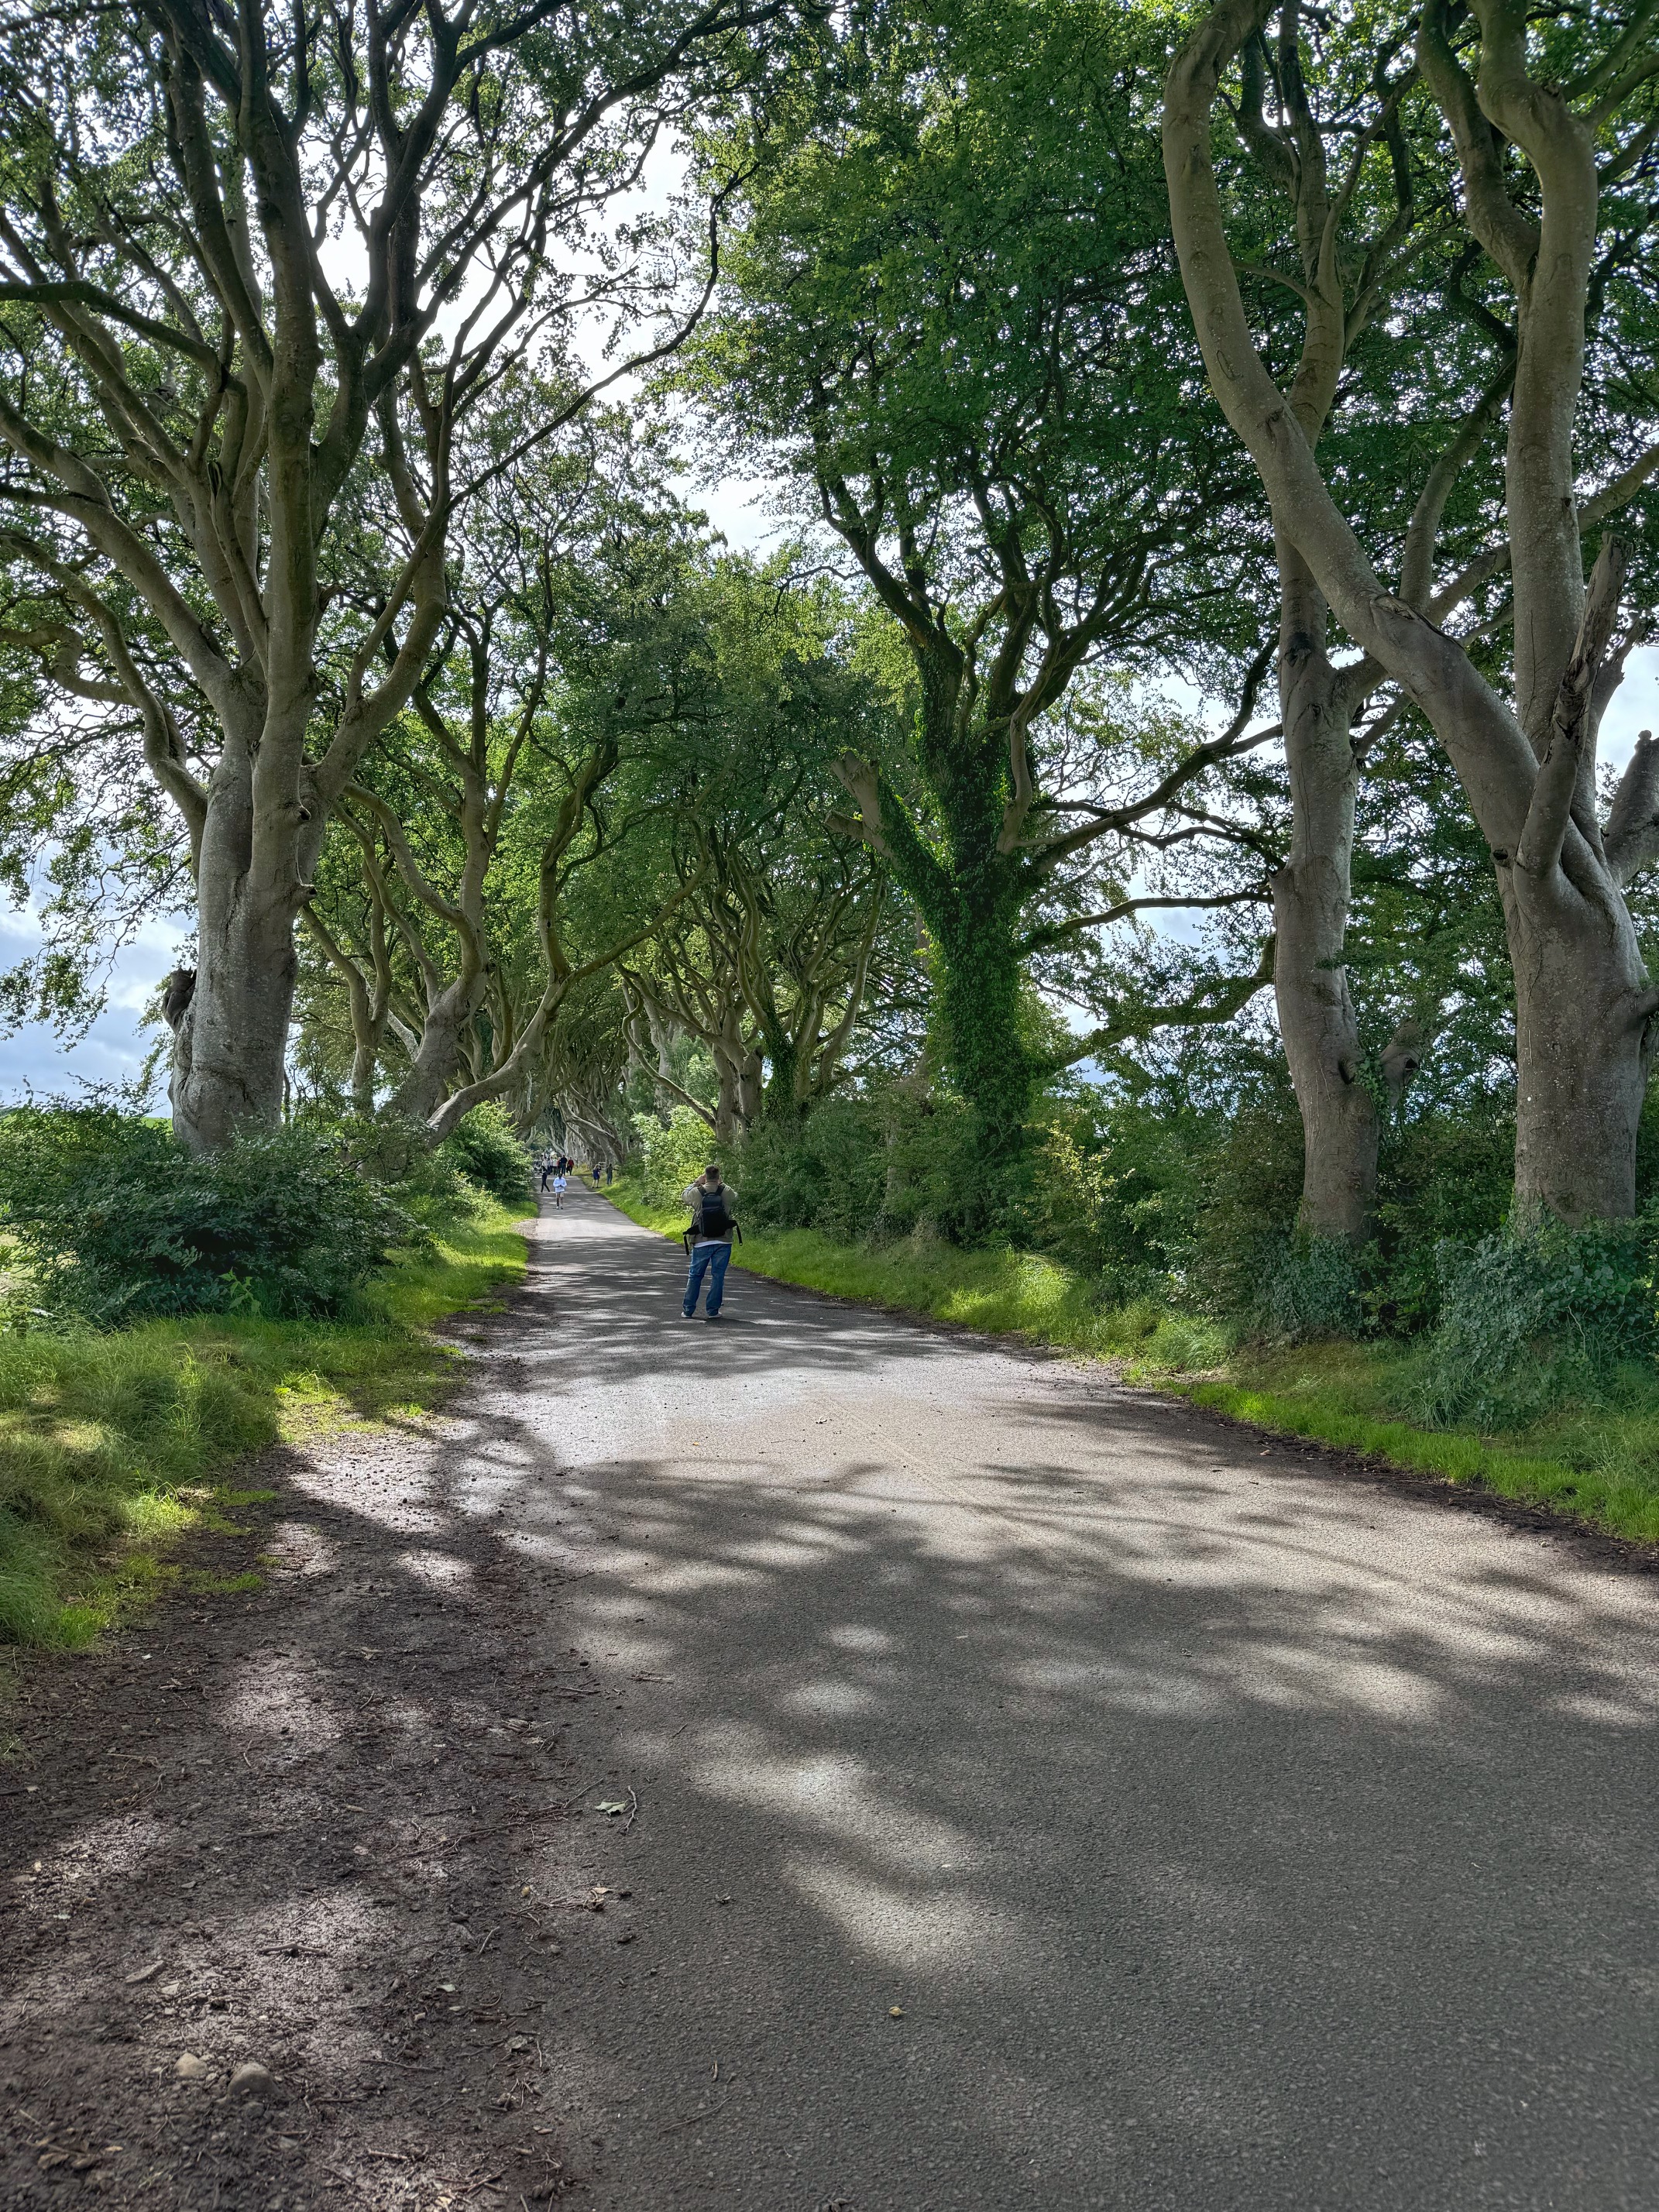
(112, 1445)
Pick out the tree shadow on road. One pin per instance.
(1225, 1834)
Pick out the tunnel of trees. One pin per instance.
(1158, 787)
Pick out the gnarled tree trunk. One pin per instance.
(1584, 1021)
(1316, 1019)
(231, 1033)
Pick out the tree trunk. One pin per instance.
(232, 1038)
(1583, 1050)
(438, 1053)
(1316, 1020)
(726, 1099)
(979, 986)
(750, 1093)
(782, 1099)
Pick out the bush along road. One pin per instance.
(819, 1760)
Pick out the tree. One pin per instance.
(1550, 144)
(247, 257)
(950, 305)
(520, 826)
(767, 968)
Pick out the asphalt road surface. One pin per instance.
(1049, 1796)
(814, 1762)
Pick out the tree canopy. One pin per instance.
(1210, 462)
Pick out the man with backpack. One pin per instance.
(713, 1219)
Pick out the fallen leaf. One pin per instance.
(145, 1973)
(896, 2012)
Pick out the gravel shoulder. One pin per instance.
(817, 1760)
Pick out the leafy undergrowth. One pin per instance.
(1598, 1463)
(112, 1445)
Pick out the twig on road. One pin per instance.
(691, 2119)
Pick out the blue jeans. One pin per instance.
(709, 1260)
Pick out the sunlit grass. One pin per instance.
(113, 1447)
(1598, 1463)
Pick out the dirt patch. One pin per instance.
(332, 1830)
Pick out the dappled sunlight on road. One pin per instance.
(689, 1700)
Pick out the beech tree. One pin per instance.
(247, 255)
(768, 968)
(951, 309)
(1553, 132)
(1396, 357)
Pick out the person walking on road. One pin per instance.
(713, 1220)
(558, 1191)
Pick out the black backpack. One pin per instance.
(713, 1215)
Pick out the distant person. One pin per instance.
(558, 1191)
(609, 1172)
(596, 1175)
(547, 1173)
(713, 1219)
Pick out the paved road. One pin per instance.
(1228, 1831)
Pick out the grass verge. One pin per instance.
(1597, 1464)
(112, 1447)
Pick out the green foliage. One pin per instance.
(1311, 1286)
(952, 310)
(667, 1158)
(120, 1222)
(1115, 1185)
(486, 1148)
(1541, 1315)
(829, 1172)
(875, 1165)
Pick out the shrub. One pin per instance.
(118, 1221)
(489, 1151)
(671, 1158)
(1309, 1287)
(397, 1153)
(1445, 1176)
(1531, 1318)
(1115, 1185)
(828, 1171)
